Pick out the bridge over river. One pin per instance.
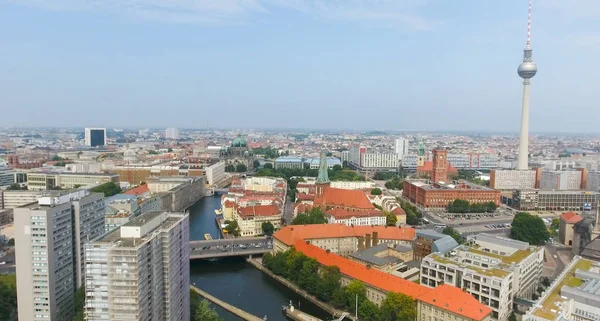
(211, 249)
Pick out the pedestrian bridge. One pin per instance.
(211, 249)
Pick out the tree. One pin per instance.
(152, 152)
(376, 191)
(109, 189)
(56, 158)
(329, 283)
(453, 233)
(200, 309)
(546, 281)
(11, 242)
(230, 168)
(395, 183)
(8, 295)
(512, 317)
(79, 303)
(383, 176)
(268, 166)
(232, 227)
(345, 164)
(337, 168)
(314, 216)
(413, 215)
(268, 228)
(555, 224)
(529, 228)
(14, 187)
(241, 168)
(398, 307)
(256, 163)
(170, 150)
(391, 219)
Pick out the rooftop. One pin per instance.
(370, 255)
(550, 303)
(571, 217)
(456, 301)
(292, 233)
(344, 197)
(484, 271)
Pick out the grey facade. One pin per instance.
(44, 256)
(140, 271)
(88, 224)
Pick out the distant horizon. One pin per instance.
(243, 131)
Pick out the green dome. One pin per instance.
(239, 142)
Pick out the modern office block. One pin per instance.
(95, 137)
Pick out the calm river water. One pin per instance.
(235, 281)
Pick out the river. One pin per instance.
(235, 281)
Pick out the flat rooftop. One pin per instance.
(461, 186)
(114, 237)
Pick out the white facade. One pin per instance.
(14, 199)
(215, 173)
(89, 136)
(140, 271)
(377, 220)
(172, 133)
(379, 160)
(352, 185)
(560, 180)
(513, 179)
(493, 269)
(401, 147)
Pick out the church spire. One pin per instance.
(323, 177)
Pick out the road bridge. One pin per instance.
(210, 249)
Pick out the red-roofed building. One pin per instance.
(356, 218)
(447, 302)
(139, 191)
(566, 225)
(340, 238)
(378, 282)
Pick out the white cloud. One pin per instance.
(387, 13)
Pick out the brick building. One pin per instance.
(437, 196)
(438, 169)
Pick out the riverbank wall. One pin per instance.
(257, 263)
(234, 310)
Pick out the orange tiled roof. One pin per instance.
(305, 197)
(344, 197)
(339, 213)
(259, 210)
(571, 217)
(378, 279)
(457, 301)
(292, 233)
(140, 190)
(398, 211)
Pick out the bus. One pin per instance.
(440, 226)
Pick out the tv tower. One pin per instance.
(527, 69)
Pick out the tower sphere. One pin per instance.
(527, 69)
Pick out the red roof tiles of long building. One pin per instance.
(142, 189)
(375, 278)
(259, 210)
(457, 301)
(344, 197)
(292, 233)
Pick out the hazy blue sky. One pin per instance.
(373, 64)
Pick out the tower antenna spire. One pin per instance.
(529, 26)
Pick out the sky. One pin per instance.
(406, 65)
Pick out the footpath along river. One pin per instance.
(235, 281)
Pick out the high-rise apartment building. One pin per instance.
(506, 179)
(563, 180)
(140, 271)
(95, 137)
(49, 251)
(401, 147)
(172, 133)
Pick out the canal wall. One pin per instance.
(326, 307)
(234, 310)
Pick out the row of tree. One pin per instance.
(413, 215)
(239, 168)
(463, 206)
(200, 309)
(395, 183)
(324, 283)
(8, 295)
(314, 216)
(266, 152)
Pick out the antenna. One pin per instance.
(529, 26)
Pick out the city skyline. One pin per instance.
(256, 65)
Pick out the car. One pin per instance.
(223, 250)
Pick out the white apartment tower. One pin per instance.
(140, 271)
(172, 133)
(49, 251)
(401, 147)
